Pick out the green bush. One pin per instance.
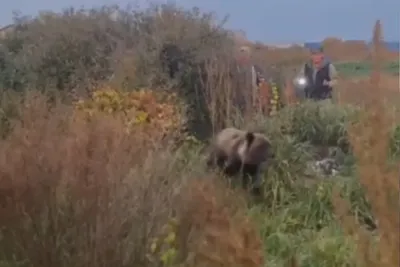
(297, 134)
(60, 51)
(72, 52)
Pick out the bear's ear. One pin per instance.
(249, 138)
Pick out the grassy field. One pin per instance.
(102, 154)
(356, 69)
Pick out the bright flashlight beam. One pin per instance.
(301, 81)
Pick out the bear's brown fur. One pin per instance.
(235, 151)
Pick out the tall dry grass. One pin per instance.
(75, 192)
(70, 195)
(370, 141)
(221, 233)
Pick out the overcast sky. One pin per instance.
(274, 21)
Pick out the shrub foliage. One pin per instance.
(150, 113)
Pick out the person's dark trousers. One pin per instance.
(319, 94)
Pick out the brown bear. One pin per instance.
(240, 152)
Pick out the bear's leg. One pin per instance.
(257, 178)
(232, 166)
(215, 159)
(252, 172)
(211, 159)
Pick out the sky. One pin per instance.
(269, 21)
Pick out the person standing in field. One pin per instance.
(320, 75)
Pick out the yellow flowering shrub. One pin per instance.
(275, 99)
(154, 114)
(164, 248)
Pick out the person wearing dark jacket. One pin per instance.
(320, 75)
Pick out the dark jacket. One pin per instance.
(315, 86)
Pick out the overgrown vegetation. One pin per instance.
(91, 174)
